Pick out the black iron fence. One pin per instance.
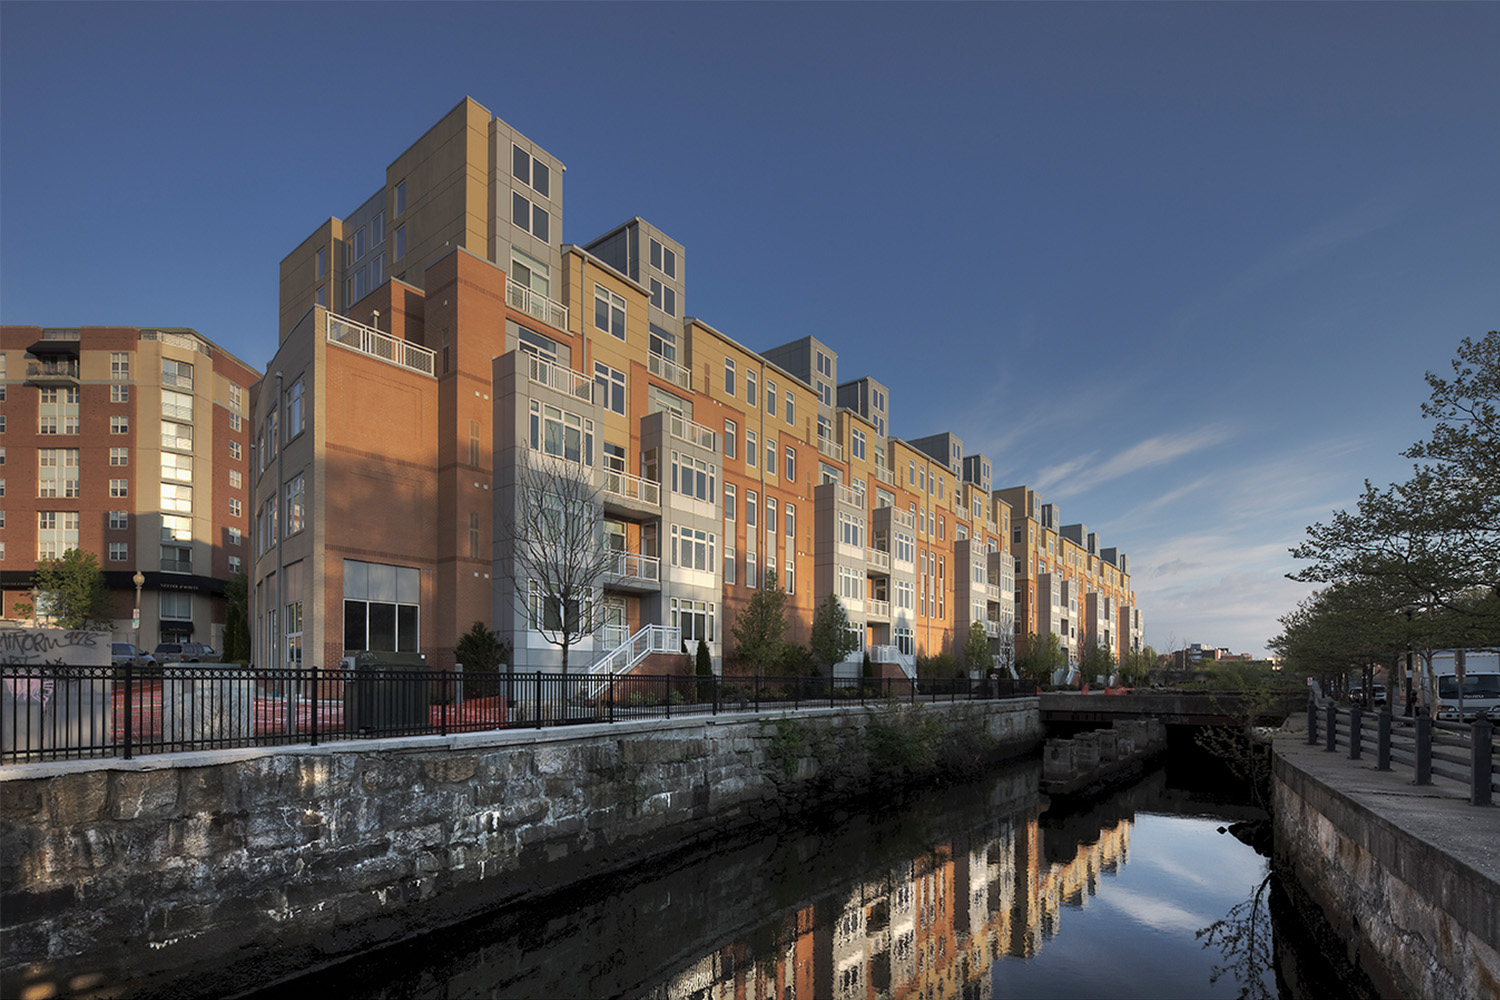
(58, 712)
(1461, 752)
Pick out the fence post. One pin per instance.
(1356, 715)
(539, 699)
(757, 693)
(830, 685)
(447, 693)
(314, 709)
(1312, 721)
(1424, 749)
(716, 694)
(1483, 761)
(1333, 728)
(611, 697)
(1383, 741)
(130, 704)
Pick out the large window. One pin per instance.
(532, 218)
(177, 468)
(693, 477)
(381, 607)
(294, 416)
(664, 259)
(693, 548)
(176, 375)
(56, 533)
(530, 171)
(609, 312)
(561, 434)
(664, 297)
(611, 383)
(695, 618)
(294, 504)
(729, 376)
(57, 472)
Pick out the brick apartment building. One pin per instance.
(441, 334)
(131, 444)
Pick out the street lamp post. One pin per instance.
(140, 581)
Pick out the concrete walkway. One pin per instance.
(1439, 813)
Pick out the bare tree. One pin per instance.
(555, 553)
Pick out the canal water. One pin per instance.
(980, 891)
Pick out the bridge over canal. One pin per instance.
(1174, 708)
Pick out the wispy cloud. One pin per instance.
(1079, 475)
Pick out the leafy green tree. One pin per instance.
(1043, 655)
(1097, 661)
(832, 639)
(976, 652)
(704, 668)
(73, 592)
(760, 629)
(237, 620)
(480, 650)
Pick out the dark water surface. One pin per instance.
(972, 892)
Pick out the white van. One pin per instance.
(1480, 689)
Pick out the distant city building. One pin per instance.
(131, 444)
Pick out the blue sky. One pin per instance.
(1194, 258)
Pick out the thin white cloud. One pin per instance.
(1154, 913)
(1079, 475)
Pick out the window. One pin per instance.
(664, 259)
(294, 511)
(234, 450)
(56, 533)
(176, 406)
(236, 422)
(611, 385)
(381, 609)
(942, 528)
(789, 569)
(791, 411)
(119, 456)
(321, 298)
(692, 477)
(119, 520)
(119, 487)
(377, 229)
(664, 297)
(750, 568)
(294, 414)
(532, 218)
(177, 468)
(729, 377)
(177, 497)
(320, 263)
(730, 429)
(791, 465)
(729, 560)
(729, 502)
(561, 434)
(119, 366)
(750, 509)
(235, 479)
(400, 197)
(119, 552)
(695, 618)
(57, 472)
(119, 394)
(770, 456)
(750, 448)
(771, 397)
(399, 250)
(176, 374)
(751, 396)
(234, 507)
(530, 171)
(770, 523)
(473, 534)
(857, 442)
(693, 548)
(609, 311)
(234, 565)
(236, 537)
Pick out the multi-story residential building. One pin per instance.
(441, 343)
(131, 444)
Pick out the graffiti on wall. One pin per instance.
(41, 698)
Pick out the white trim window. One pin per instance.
(530, 218)
(561, 434)
(695, 618)
(609, 312)
(664, 297)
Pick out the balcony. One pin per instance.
(885, 475)
(624, 493)
(831, 448)
(903, 519)
(669, 371)
(381, 346)
(849, 496)
(878, 609)
(683, 429)
(992, 593)
(537, 306)
(991, 628)
(878, 560)
(52, 372)
(632, 571)
(559, 379)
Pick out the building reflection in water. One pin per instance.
(928, 927)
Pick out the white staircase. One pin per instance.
(893, 654)
(650, 639)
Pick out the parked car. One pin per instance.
(185, 652)
(128, 653)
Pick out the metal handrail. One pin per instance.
(671, 371)
(558, 378)
(634, 566)
(828, 446)
(382, 346)
(623, 484)
(690, 431)
(537, 306)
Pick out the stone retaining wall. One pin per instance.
(1417, 921)
(207, 873)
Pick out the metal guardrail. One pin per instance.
(669, 371)
(560, 379)
(382, 346)
(537, 306)
(1451, 750)
(57, 712)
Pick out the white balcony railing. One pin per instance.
(831, 448)
(671, 371)
(877, 609)
(381, 346)
(878, 559)
(694, 433)
(634, 566)
(903, 519)
(633, 488)
(556, 377)
(992, 592)
(848, 495)
(991, 628)
(537, 306)
(885, 475)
